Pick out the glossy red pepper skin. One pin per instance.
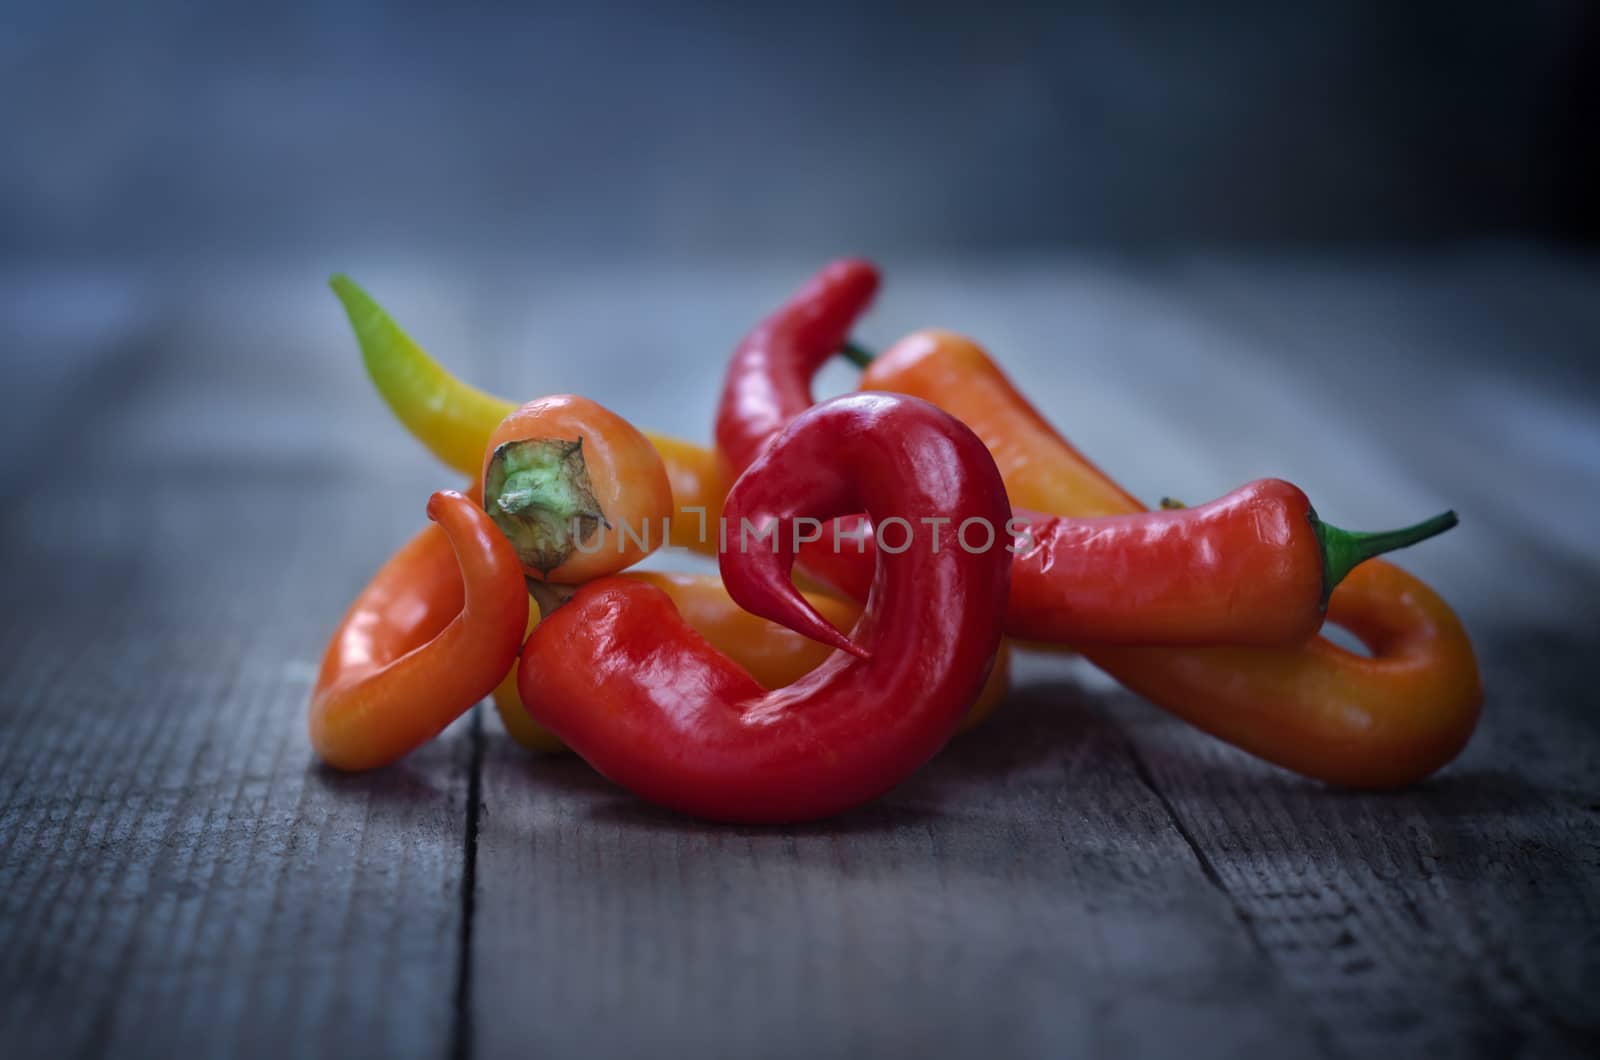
(769, 377)
(625, 682)
(1243, 569)
(1246, 568)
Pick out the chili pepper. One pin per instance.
(769, 377)
(621, 677)
(776, 657)
(426, 639)
(576, 488)
(1383, 721)
(1254, 567)
(454, 420)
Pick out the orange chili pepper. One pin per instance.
(1318, 709)
(775, 656)
(429, 637)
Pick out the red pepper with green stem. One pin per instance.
(620, 677)
(1255, 566)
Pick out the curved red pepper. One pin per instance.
(769, 378)
(625, 682)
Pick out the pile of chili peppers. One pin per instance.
(931, 519)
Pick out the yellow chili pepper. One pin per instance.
(455, 419)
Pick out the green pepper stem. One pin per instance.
(538, 493)
(857, 354)
(1343, 550)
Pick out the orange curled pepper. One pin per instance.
(1317, 708)
(775, 656)
(428, 638)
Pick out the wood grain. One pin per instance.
(1027, 895)
(1458, 918)
(177, 874)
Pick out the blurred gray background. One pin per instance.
(205, 131)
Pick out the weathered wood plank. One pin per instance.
(1460, 918)
(1026, 895)
(177, 875)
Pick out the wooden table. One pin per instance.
(198, 479)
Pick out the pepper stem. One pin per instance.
(549, 595)
(1343, 550)
(857, 354)
(537, 491)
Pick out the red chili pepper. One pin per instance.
(1253, 567)
(769, 378)
(619, 676)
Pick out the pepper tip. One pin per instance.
(438, 500)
